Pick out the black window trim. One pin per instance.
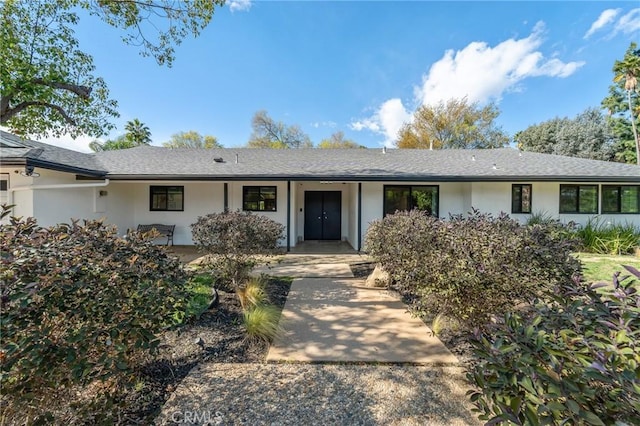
(166, 188)
(384, 198)
(260, 187)
(578, 185)
(530, 198)
(619, 198)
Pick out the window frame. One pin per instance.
(577, 202)
(619, 200)
(435, 213)
(521, 185)
(153, 190)
(260, 188)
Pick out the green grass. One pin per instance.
(601, 267)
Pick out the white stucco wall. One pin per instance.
(495, 197)
(200, 198)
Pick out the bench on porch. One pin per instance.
(163, 230)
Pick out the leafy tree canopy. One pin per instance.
(136, 134)
(623, 105)
(588, 135)
(268, 133)
(192, 139)
(337, 140)
(455, 123)
(47, 83)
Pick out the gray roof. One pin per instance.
(15, 150)
(150, 162)
(157, 163)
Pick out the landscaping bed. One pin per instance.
(216, 336)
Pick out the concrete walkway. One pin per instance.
(328, 319)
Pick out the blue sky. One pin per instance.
(363, 67)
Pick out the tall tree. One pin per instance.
(337, 140)
(623, 104)
(136, 134)
(268, 133)
(453, 124)
(47, 83)
(192, 139)
(588, 135)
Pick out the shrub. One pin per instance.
(468, 267)
(236, 242)
(572, 359)
(602, 237)
(79, 303)
(262, 322)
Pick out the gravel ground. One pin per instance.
(326, 394)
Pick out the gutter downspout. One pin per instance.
(57, 186)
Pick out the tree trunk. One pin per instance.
(633, 126)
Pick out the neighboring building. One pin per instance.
(318, 194)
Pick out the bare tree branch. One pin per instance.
(10, 112)
(82, 91)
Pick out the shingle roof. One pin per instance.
(17, 150)
(150, 162)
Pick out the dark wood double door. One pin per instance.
(322, 215)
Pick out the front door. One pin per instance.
(322, 215)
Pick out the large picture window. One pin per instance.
(411, 197)
(521, 198)
(621, 199)
(579, 199)
(166, 198)
(259, 198)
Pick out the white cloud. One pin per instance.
(318, 124)
(240, 5)
(606, 17)
(480, 72)
(483, 73)
(387, 120)
(628, 23)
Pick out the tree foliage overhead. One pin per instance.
(136, 133)
(588, 135)
(623, 104)
(192, 139)
(47, 83)
(455, 123)
(337, 140)
(268, 133)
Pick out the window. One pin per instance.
(167, 198)
(578, 199)
(620, 199)
(521, 198)
(259, 198)
(411, 197)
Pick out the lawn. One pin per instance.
(601, 267)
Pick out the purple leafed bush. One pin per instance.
(469, 268)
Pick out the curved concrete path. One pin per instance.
(329, 319)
